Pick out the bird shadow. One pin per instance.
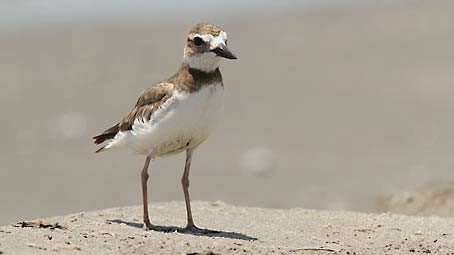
(204, 232)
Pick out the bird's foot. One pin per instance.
(147, 225)
(191, 228)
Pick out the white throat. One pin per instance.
(207, 61)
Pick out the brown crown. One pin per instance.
(205, 28)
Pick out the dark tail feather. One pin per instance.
(106, 135)
(100, 149)
(102, 137)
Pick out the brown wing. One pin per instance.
(149, 101)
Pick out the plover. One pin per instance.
(176, 114)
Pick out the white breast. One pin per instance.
(184, 122)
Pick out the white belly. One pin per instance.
(183, 123)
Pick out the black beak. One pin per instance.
(223, 51)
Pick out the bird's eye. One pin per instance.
(198, 41)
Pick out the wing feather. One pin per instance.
(149, 101)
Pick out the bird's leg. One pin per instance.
(185, 183)
(144, 178)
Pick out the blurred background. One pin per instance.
(336, 104)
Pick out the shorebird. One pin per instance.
(176, 114)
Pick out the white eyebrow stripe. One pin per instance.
(222, 35)
(206, 37)
(213, 40)
(209, 37)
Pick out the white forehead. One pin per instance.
(222, 37)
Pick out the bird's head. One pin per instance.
(205, 47)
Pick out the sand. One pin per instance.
(241, 230)
(369, 91)
(427, 200)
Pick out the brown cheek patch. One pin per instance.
(192, 48)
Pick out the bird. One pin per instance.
(177, 114)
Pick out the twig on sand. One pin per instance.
(38, 224)
(313, 249)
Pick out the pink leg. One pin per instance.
(144, 178)
(185, 183)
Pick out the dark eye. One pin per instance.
(198, 41)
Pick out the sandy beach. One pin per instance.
(239, 230)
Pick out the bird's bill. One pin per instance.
(222, 51)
